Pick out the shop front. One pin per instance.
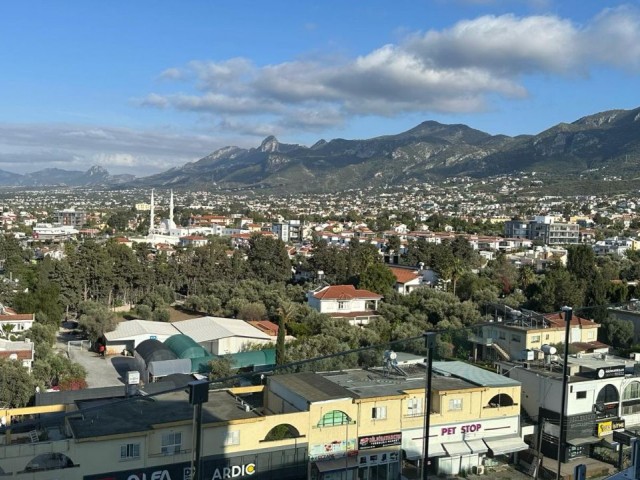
(285, 464)
(372, 457)
(463, 447)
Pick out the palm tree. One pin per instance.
(7, 328)
(286, 312)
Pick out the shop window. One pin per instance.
(171, 443)
(581, 395)
(632, 391)
(129, 451)
(334, 418)
(379, 413)
(455, 404)
(232, 438)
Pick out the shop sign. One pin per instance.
(617, 425)
(610, 372)
(375, 441)
(180, 471)
(622, 438)
(469, 428)
(329, 451)
(605, 428)
(234, 471)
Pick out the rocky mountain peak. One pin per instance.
(270, 144)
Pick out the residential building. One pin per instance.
(520, 335)
(615, 246)
(358, 306)
(21, 352)
(409, 279)
(288, 230)
(543, 229)
(16, 323)
(71, 217)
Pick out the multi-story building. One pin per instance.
(516, 335)
(350, 424)
(615, 246)
(603, 396)
(71, 217)
(288, 230)
(543, 229)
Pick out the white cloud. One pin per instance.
(458, 69)
(25, 148)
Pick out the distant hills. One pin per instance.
(607, 143)
(49, 177)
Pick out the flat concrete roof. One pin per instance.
(138, 414)
(311, 386)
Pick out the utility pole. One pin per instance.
(568, 314)
(430, 343)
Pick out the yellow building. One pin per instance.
(361, 424)
(522, 337)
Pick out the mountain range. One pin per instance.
(606, 142)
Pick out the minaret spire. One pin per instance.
(151, 214)
(171, 224)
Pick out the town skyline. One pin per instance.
(159, 87)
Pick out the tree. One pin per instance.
(220, 367)
(377, 278)
(252, 311)
(268, 259)
(16, 385)
(286, 313)
(617, 333)
(161, 315)
(581, 261)
(96, 319)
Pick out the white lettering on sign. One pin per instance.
(234, 471)
(158, 475)
(470, 428)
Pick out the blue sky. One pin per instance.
(142, 86)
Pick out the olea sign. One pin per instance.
(218, 474)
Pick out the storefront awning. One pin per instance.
(337, 464)
(477, 446)
(576, 442)
(413, 449)
(504, 445)
(455, 449)
(436, 450)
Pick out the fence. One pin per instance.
(78, 345)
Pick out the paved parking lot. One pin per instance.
(101, 371)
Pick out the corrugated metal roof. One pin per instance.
(473, 374)
(132, 328)
(205, 329)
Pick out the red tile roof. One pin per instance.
(17, 317)
(344, 292)
(557, 321)
(404, 275)
(21, 354)
(266, 326)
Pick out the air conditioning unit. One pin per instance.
(478, 469)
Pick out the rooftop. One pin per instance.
(344, 292)
(140, 414)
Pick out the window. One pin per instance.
(414, 406)
(333, 418)
(546, 336)
(129, 451)
(342, 305)
(515, 338)
(379, 413)
(582, 394)
(171, 443)
(502, 336)
(233, 438)
(455, 404)
(535, 339)
(591, 335)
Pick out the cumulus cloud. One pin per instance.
(457, 69)
(25, 148)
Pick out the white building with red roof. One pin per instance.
(20, 321)
(345, 301)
